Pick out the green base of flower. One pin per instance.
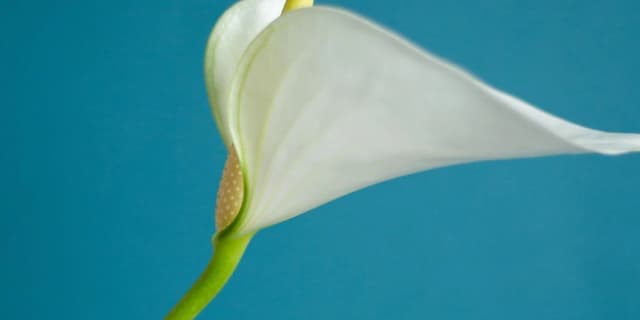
(226, 256)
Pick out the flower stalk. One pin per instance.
(226, 256)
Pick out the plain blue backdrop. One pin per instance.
(110, 163)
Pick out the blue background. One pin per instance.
(111, 161)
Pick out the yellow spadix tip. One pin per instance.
(296, 4)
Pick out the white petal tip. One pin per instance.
(611, 144)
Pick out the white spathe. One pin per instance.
(323, 103)
(230, 37)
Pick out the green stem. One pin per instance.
(226, 256)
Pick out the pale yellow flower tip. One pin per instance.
(230, 192)
(296, 4)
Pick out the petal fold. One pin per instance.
(328, 103)
(230, 37)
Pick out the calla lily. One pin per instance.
(316, 103)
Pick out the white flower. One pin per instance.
(319, 102)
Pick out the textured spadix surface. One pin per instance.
(324, 103)
(230, 193)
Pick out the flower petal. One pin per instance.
(328, 103)
(230, 37)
